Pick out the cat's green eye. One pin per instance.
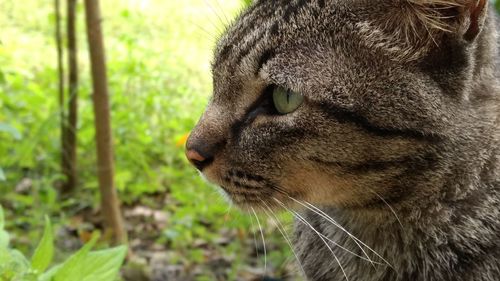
(286, 101)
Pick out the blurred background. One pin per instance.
(158, 64)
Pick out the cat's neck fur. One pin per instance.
(443, 239)
(449, 233)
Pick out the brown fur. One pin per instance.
(398, 137)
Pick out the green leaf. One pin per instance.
(71, 267)
(4, 236)
(19, 259)
(2, 175)
(4, 258)
(2, 218)
(45, 251)
(103, 265)
(49, 275)
(89, 266)
(4, 239)
(10, 130)
(13, 265)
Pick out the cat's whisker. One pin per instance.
(390, 207)
(282, 230)
(254, 237)
(216, 14)
(321, 213)
(222, 12)
(211, 36)
(367, 258)
(263, 240)
(355, 239)
(297, 215)
(328, 218)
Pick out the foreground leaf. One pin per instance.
(4, 239)
(89, 266)
(2, 219)
(103, 265)
(4, 236)
(13, 265)
(72, 267)
(45, 251)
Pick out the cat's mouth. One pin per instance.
(249, 190)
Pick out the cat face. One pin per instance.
(319, 101)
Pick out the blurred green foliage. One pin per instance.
(248, 2)
(159, 80)
(159, 56)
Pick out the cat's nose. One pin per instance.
(197, 159)
(199, 155)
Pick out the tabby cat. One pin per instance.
(376, 122)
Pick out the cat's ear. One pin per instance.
(477, 17)
(463, 17)
(411, 28)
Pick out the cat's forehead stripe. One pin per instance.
(257, 20)
(261, 39)
(266, 56)
(236, 33)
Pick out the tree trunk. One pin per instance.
(60, 71)
(110, 205)
(70, 143)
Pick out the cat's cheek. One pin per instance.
(314, 186)
(213, 172)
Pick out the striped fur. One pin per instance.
(398, 138)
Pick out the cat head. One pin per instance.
(344, 103)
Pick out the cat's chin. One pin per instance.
(259, 203)
(246, 200)
(257, 207)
